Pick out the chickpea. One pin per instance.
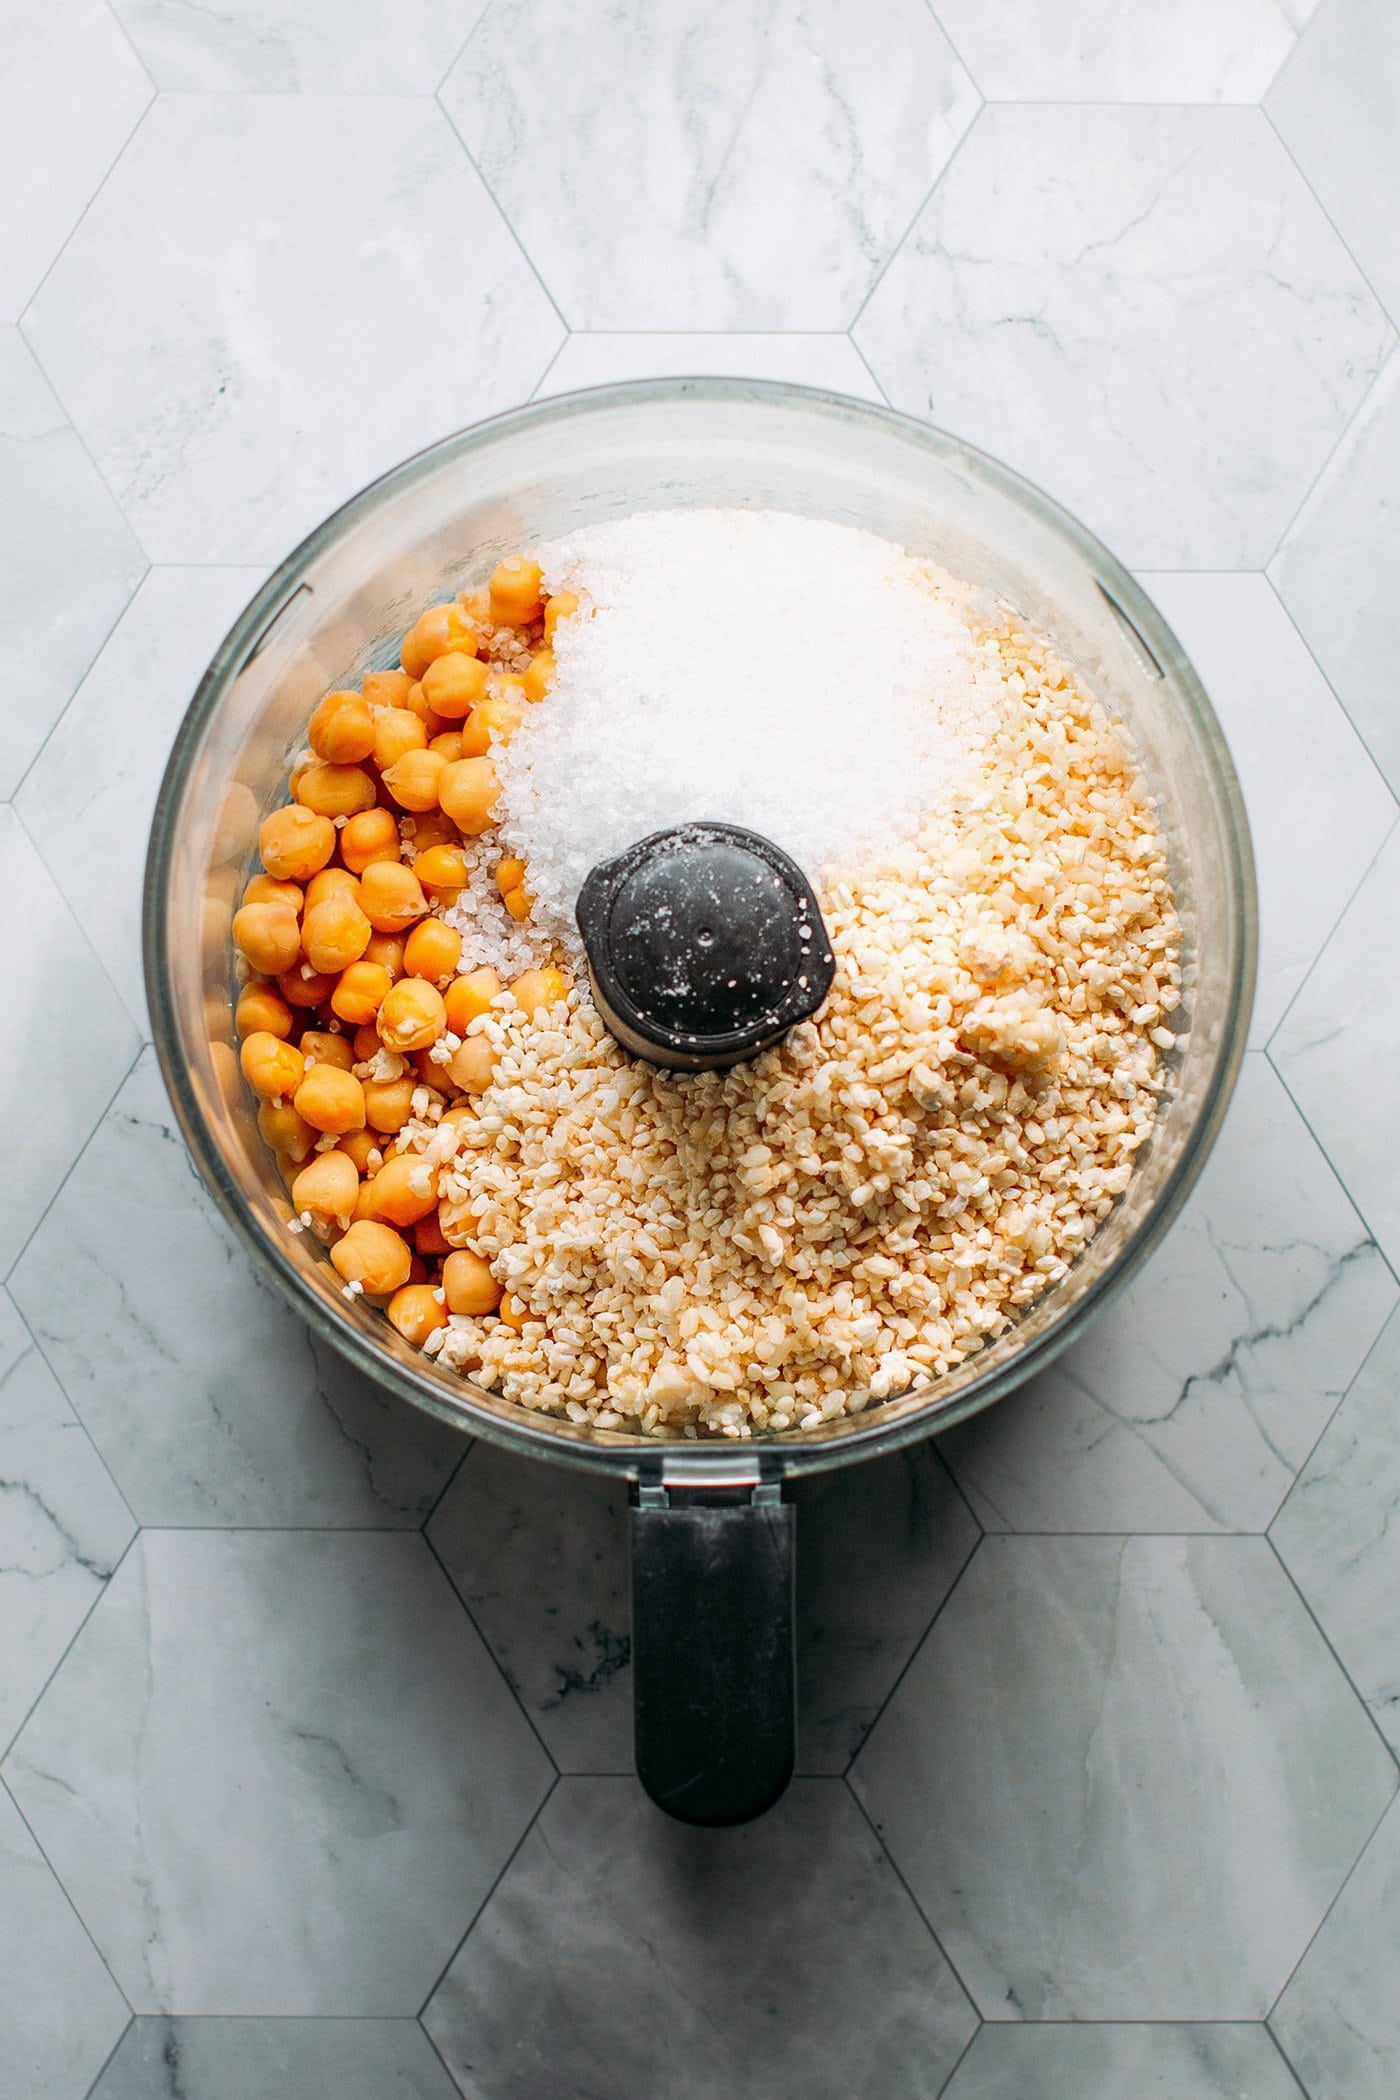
(428, 1236)
(442, 869)
(295, 842)
(468, 1285)
(416, 703)
(472, 1067)
(386, 949)
(263, 890)
(536, 990)
(513, 1313)
(327, 1186)
(468, 792)
(495, 716)
(477, 607)
(441, 628)
(361, 1147)
(268, 935)
(414, 1310)
(328, 882)
(539, 674)
(458, 1233)
(385, 688)
(510, 873)
(372, 1255)
(360, 993)
(562, 606)
(289, 1134)
(334, 934)
(302, 986)
(388, 1103)
(434, 828)
(396, 731)
(335, 791)
(413, 779)
(433, 951)
(261, 1006)
(405, 1189)
(342, 730)
(391, 897)
(413, 1015)
(370, 836)
(449, 744)
(331, 1100)
(327, 1049)
(364, 1201)
(272, 1068)
(367, 1043)
(468, 996)
(519, 903)
(454, 684)
(515, 591)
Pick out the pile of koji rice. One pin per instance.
(857, 1209)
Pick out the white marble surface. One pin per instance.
(258, 251)
(1145, 310)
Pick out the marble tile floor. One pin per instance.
(314, 1720)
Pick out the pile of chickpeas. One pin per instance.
(348, 958)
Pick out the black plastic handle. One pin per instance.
(713, 1672)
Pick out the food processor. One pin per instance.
(713, 1538)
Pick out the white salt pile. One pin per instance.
(801, 678)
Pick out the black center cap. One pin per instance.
(705, 945)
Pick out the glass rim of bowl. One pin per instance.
(905, 1417)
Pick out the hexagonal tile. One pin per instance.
(76, 1043)
(1118, 50)
(1335, 103)
(539, 1555)
(1191, 1403)
(198, 1384)
(277, 1772)
(369, 47)
(1335, 1533)
(1102, 2061)
(251, 2059)
(92, 824)
(1318, 808)
(830, 361)
(1336, 1048)
(1335, 567)
(70, 563)
(256, 272)
(701, 167)
(60, 2012)
(1123, 1778)
(622, 1953)
(1339, 2018)
(71, 91)
(1142, 309)
(63, 1526)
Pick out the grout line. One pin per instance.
(894, 1867)
(505, 219)
(8, 1747)
(497, 1664)
(1371, 1238)
(62, 895)
(476, 1914)
(460, 53)
(914, 1653)
(1362, 879)
(1289, 2064)
(948, 2081)
(953, 47)
(447, 1486)
(1313, 1935)
(62, 1886)
(535, 392)
(1318, 666)
(125, 34)
(105, 1111)
(879, 383)
(107, 174)
(1392, 1756)
(98, 1454)
(924, 204)
(107, 2060)
(1306, 180)
(1333, 449)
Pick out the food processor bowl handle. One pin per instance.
(713, 1666)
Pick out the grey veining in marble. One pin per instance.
(1337, 1534)
(201, 1388)
(1335, 104)
(1143, 309)
(830, 361)
(71, 1043)
(1191, 1403)
(63, 1526)
(258, 266)
(71, 92)
(358, 47)
(91, 822)
(277, 1772)
(1318, 808)
(1339, 2018)
(249, 2059)
(1119, 50)
(1124, 1778)
(702, 167)
(1102, 2061)
(540, 1558)
(1335, 569)
(625, 1954)
(67, 556)
(60, 2012)
(1336, 1048)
